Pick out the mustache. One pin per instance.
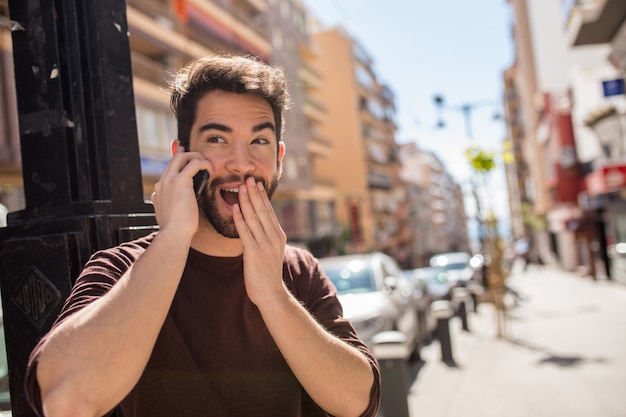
(217, 181)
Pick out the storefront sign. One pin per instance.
(608, 178)
(613, 87)
(615, 176)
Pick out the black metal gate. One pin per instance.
(80, 160)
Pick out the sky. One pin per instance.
(458, 49)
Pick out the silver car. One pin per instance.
(376, 296)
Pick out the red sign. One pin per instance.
(608, 178)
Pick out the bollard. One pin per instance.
(392, 352)
(461, 296)
(476, 291)
(442, 310)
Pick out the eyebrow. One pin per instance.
(224, 128)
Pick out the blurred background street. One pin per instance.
(562, 355)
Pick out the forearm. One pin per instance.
(95, 357)
(336, 375)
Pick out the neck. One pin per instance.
(208, 241)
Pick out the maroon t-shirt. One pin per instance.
(214, 355)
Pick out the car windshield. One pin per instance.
(351, 277)
(453, 266)
(431, 275)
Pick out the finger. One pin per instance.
(273, 232)
(269, 209)
(249, 214)
(245, 235)
(258, 200)
(180, 162)
(169, 167)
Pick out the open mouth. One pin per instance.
(230, 195)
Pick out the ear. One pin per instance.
(174, 145)
(281, 155)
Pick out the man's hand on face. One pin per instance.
(263, 242)
(174, 198)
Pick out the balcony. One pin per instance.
(253, 6)
(597, 22)
(320, 146)
(378, 180)
(159, 34)
(309, 77)
(322, 181)
(248, 30)
(314, 109)
(148, 69)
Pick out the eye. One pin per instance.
(261, 141)
(215, 139)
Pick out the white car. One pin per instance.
(375, 296)
(460, 267)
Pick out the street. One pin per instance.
(563, 354)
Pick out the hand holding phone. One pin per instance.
(199, 182)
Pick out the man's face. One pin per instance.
(237, 134)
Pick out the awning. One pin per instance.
(610, 177)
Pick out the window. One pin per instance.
(155, 129)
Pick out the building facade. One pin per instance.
(554, 100)
(370, 196)
(602, 24)
(437, 215)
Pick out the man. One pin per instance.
(214, 314)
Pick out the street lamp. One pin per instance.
(494, 275)
(467, 109)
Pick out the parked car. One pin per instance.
(462, 271)
(421, 300)
(435, 284)
(434, 280)
(376, 296)
(460, 267)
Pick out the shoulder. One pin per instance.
(301, 262)
(126, 252)
(302, 273)
(114, 261)
(294, 254)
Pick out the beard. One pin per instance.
(207, 203)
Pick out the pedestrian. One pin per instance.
(522, 251)
(214, 314)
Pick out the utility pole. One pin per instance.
(80, 162)
(493, 274)
(467, 109)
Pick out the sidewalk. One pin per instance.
(564, 354)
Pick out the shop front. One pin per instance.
(604, 207)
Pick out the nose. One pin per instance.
(240, 160)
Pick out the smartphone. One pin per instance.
(199, 182)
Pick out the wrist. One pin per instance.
(174, 239)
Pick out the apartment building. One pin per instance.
(365, 165)
(557, 90)
(436, 212)
(305, 200)
(601, 24)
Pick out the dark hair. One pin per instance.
(231, 73)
